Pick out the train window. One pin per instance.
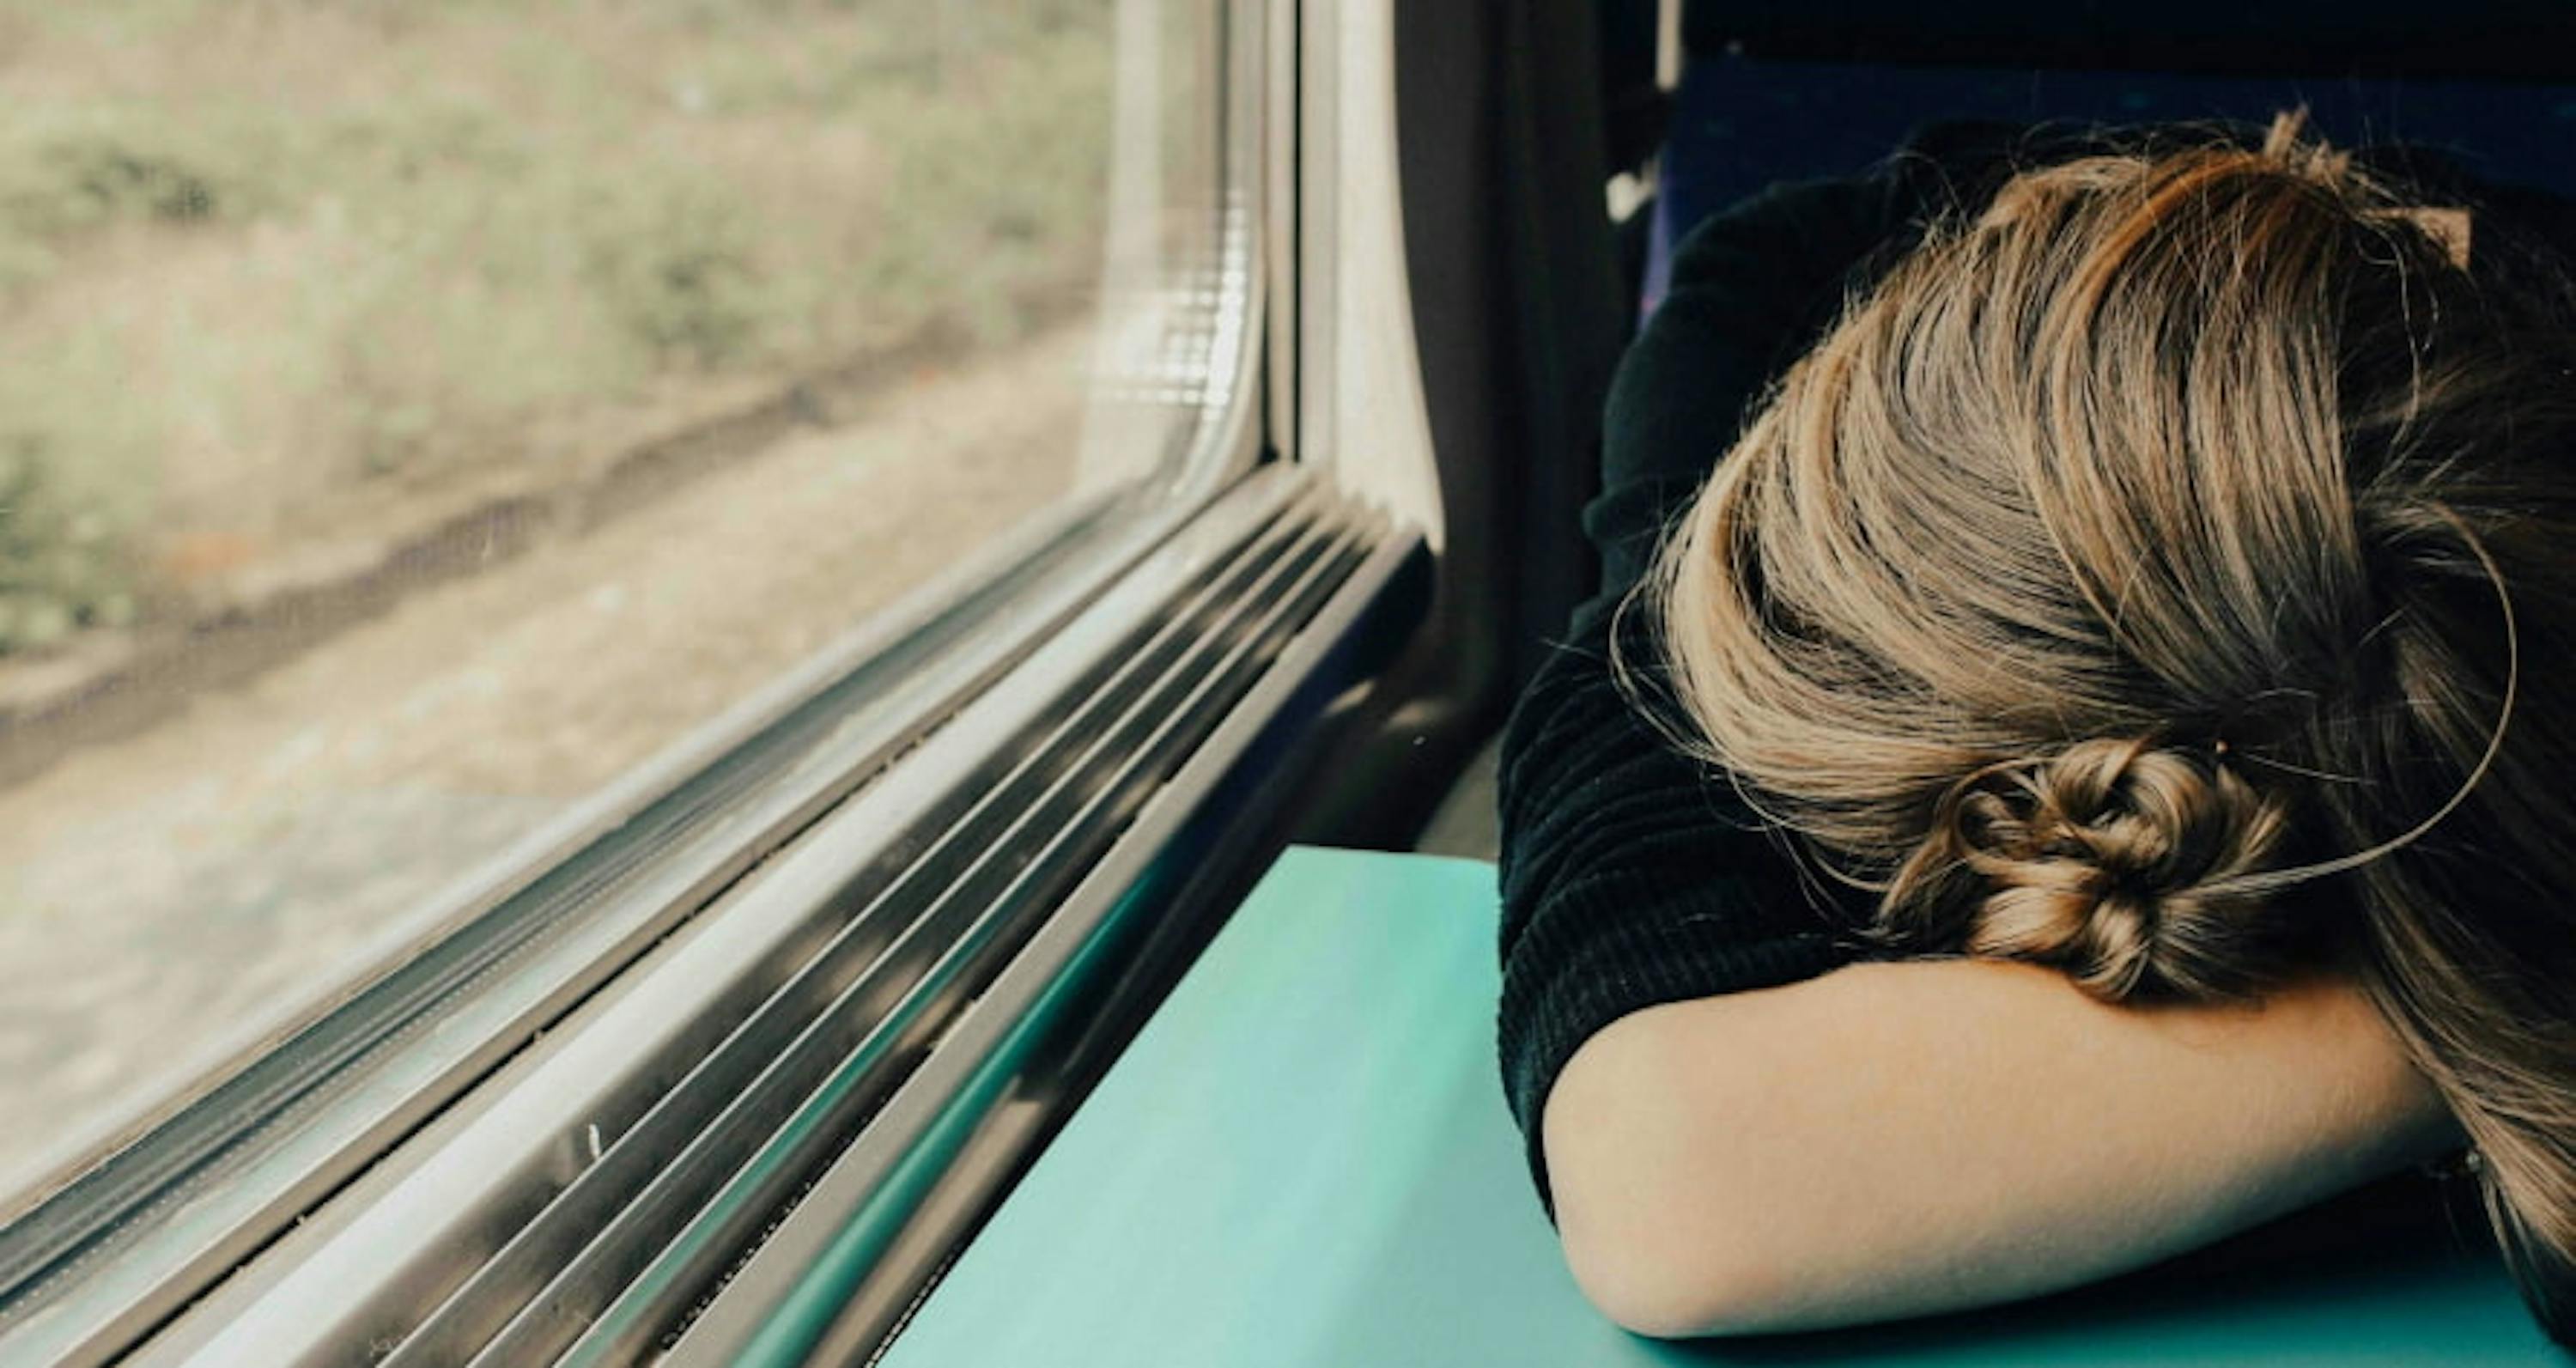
(413, 419)
(511, 514)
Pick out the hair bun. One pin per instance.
(2110, 860)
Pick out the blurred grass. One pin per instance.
(256, 255)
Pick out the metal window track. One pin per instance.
(793, 1054)
(115, 1248)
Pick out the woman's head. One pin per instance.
(2163, 575)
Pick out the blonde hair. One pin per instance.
(2146, 578)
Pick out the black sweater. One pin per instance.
(1632, 876)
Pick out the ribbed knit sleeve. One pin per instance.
(1631, 875)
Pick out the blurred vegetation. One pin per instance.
(60, 570)
(256, 254)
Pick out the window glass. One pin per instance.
(413, 415)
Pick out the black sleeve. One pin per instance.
(1632, 876)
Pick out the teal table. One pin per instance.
(1304, 1160)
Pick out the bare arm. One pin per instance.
(1894, 1139)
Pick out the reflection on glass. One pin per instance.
(414, 415)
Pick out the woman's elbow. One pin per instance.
(1679, 1296)
(1648, 1229)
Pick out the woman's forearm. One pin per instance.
(1894, 1139)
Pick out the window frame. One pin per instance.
(125, 1242)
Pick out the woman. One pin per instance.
(2081, 777)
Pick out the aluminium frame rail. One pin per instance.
(796, 1059)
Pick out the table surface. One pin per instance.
(1304, 1160)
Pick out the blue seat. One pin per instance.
(1740, 123)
